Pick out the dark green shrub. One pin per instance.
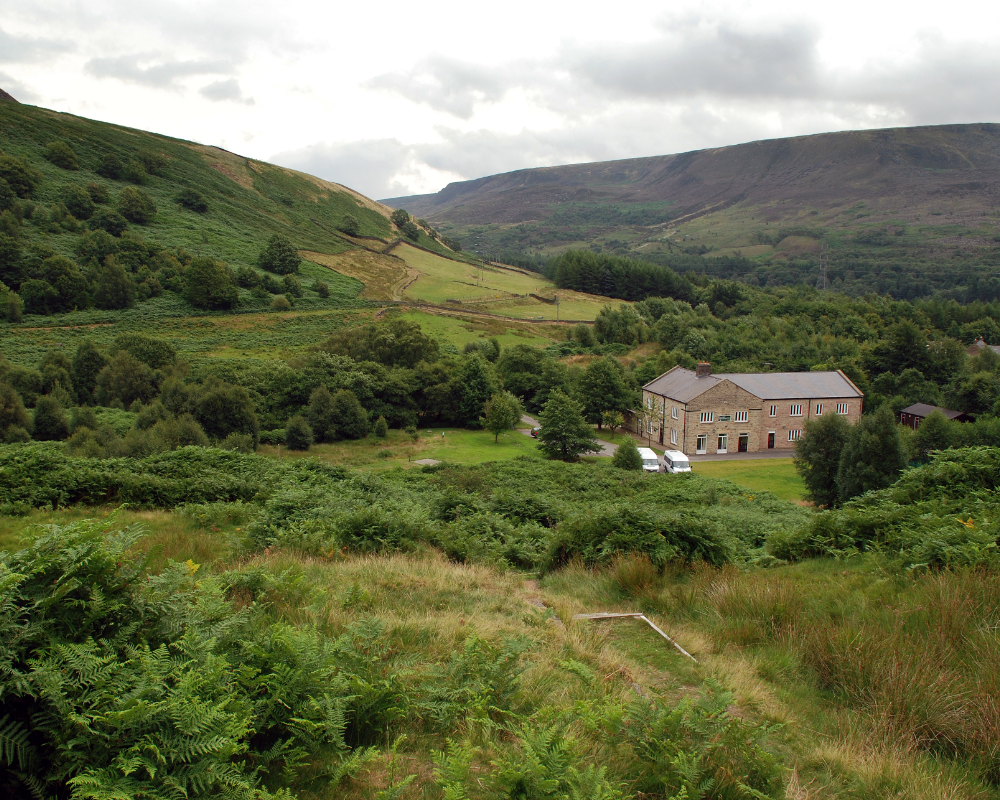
(98, 193)
(51, 423)
(134, 171)
(136, 206)
(19, 176)
(350, 225)
(298, 434)
(156, 353)
(290, 286)
(627, 455)
(410, 231)
(82, 418)
(225, 409)
(15, 421)
(281, 303)
(40, 297)
(7, 196)
(87, 364)
(115, 287)
(108, 220)
(78, 201)
(192, 201)
(247, 278)
(322, 415)
(351, 419)
(124, 379)
(321, 288)
(239, 442)
(399, 217)
(381, 428)
(13, 307)
(110, 167)
(279, 256)
(62, 155)
(210, 284)
(154, 163)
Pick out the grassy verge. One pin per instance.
(774, 475)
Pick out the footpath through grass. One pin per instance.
(774, 475)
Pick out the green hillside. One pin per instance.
(85, 190)
(907, 211)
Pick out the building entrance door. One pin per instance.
(770, 441)
(744, 443)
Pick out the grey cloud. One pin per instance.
(697, 58)
(445, 85)
(225, 90)
(368, 166)
(160, 76)
(25, 49)
(17, 90)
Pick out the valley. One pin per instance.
(271, 525)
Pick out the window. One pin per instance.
(740, 416)
(673, 437)
(725, 417)
(723, 442)
(842, 408)
(673, 412)
(708, 416)
(701, 445)
(794, 436)
(774, 411)
(796, 410)
(819, 409)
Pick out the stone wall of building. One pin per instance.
(784, 422)
(723, 399)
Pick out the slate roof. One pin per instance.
(923, 410)
(683, 385)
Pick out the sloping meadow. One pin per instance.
(523, 513)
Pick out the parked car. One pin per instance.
(676, 461)
(650, 463)
(535, 432)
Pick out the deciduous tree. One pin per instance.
(565, 434)
(503, 411)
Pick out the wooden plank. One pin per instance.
(636, 615)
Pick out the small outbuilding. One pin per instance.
(913, 415)
(979, 345)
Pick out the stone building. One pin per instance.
(698, 412)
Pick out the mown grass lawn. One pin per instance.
(774, 475)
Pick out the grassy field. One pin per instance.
(774, 475)
(459, 330)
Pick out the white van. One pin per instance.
(676, 461)
(650, 463)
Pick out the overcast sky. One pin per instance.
(397, 98)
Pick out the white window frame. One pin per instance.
(723, 443)
(795, 410)
(774, 411)
(740, 416)
(843, 408)
(794, 435)
(701, 443)
(819, 409)
(707, 416)
(673, 412)
(673, 436)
